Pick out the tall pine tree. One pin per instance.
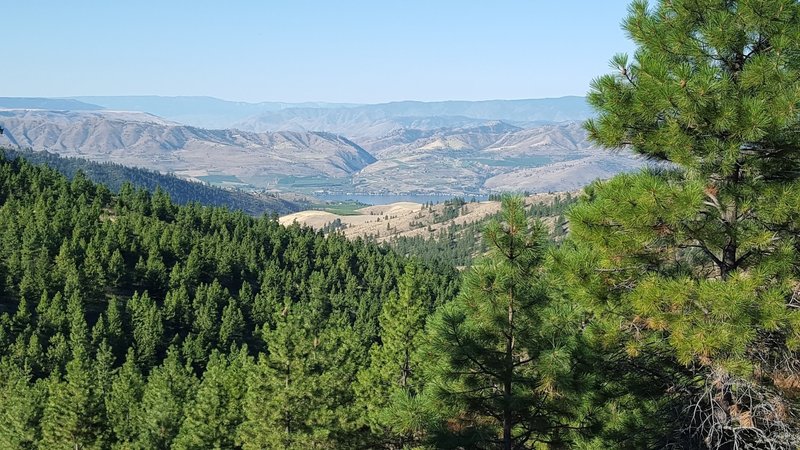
(694, 264)
(504, 356)
(388, 387)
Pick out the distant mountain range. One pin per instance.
(205, 112)
(144, 140)
(380, 119)
(402, 147)
(349, 119)
(64, 104)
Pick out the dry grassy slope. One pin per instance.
(143, 140)
(492, 156)
(496, 157)
(384, 222)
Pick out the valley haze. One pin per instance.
(408, 147)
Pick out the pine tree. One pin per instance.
(57, 354)
(506, 345)
(232, 328)
(124, 400)
(22, 318)
(693, 265)
(177, 308)
(74, 413)
(52, 313)
(115, 328)
(148, 328)
(116, 269)
(218, 408)
(299, 393)
(390, 384)
(279, 398)
(20, 409)
(167, 393)
(103, 376)
(78, 329)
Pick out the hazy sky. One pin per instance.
(296, 50)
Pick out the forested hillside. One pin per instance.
(130, 321)
(114, 176)
(667, 317)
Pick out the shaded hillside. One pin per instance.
(114, 176)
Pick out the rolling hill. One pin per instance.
(457, 148)
(144, 140)
(494, 157)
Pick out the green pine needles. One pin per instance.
(505, 347)
(668, 316)
(696, 261)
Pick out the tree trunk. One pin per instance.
(508, 376)
(730, 217)
(507, 416)
(406, 367)
(728, 260)
(288, 416)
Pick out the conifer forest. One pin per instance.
(665, 314)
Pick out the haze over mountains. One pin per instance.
(376, 120)
(454, 147)
(343, 118)
(206, 112)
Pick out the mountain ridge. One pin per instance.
(47, 104)
(142, 140)
(387, 154)
(351, 119)
(200, 111)
(380, 119)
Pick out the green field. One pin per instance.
(528, 161)
(348, 208)
(315, 183)
(523, 161)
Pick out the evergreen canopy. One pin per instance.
(696, 260)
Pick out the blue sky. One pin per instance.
(300, 50)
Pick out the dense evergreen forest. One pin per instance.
(115, 176)
(668, 316)
(124, 315)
